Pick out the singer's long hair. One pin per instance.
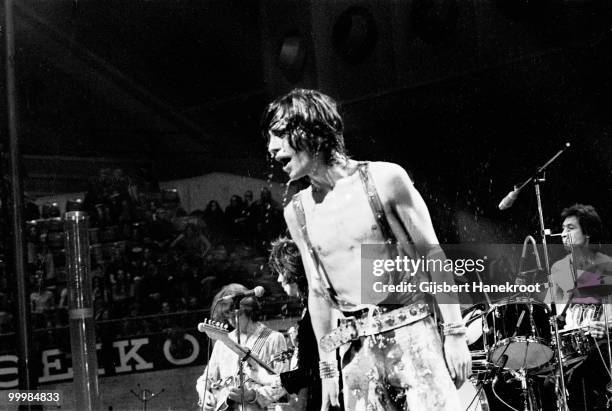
(250, 306)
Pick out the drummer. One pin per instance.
(584, 266)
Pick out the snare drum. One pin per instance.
(519, 329)
(575, 345)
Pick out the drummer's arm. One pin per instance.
(597, 328)
(559, 293)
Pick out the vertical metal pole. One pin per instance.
(553, 303)
(27, 375)
(82, 331)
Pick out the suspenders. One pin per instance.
(331, 295)
(381, 220)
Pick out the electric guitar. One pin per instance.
(220, 388)
(219, 331)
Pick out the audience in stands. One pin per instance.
(148, 256)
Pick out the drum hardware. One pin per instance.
(529, 240)
(499, 338)
(603, 291)
(520, 329)
(521, 376)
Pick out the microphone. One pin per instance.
(509, 199)
(257, 292)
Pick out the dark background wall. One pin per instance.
(469, 96)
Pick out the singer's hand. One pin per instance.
(458, 358)
(329, 393)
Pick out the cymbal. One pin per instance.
(597, 290)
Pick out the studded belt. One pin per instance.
(352, 328)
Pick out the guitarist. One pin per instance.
(286, 263)
(218, 386)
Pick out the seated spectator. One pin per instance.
(234, 215)
(121, 292)
(62, 306)
(101, 297)
(160, 229)
(268, 219)
(214, 217)
(248, 217)
(6, 322)
(42, 302)
(192, 242)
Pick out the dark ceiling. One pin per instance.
(467, 95)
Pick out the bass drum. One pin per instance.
(472, 397)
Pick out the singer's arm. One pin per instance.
(409, 217)
(321, 312)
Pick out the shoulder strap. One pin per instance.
(261, 339)
(375, 204)
(331, 295)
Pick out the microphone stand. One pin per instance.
(537, 178)
(146, 396)
(517, 189)
(240, 369)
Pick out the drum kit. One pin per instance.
(516, 345)
(514, 350)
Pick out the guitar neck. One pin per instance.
(218, 331)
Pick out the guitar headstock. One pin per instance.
(215, 330)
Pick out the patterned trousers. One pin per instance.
(402, 369)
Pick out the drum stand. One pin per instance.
(604, 302)
(521, 376)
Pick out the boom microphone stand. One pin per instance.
(537, 178)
